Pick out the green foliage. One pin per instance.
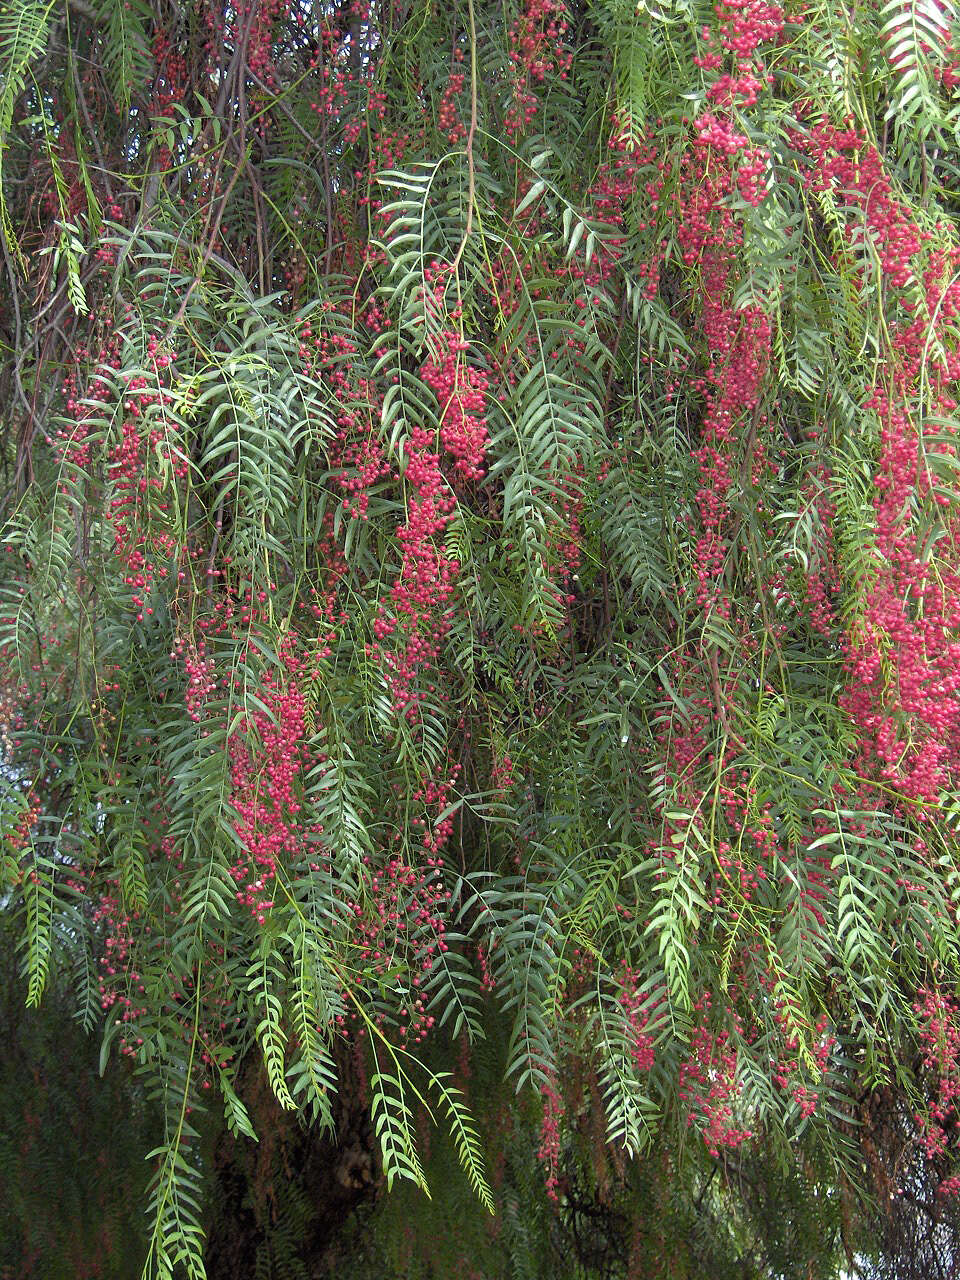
(478, 617)
(23, 32)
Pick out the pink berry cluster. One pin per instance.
(200, 669)
(902, 652)
(403, 931)
(551, 1123)
(742, 27)
(417, 613)
(940, 1041)
(537, 52)
(708, 1083)
(461, 390)
(268, 753)
(637, 1010)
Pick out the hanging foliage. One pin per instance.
(482, 547)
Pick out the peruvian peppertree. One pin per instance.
(482, 546)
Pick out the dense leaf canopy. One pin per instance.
(480, 597)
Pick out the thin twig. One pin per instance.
(471, 134)
(277, 101)
(94, 132)
(207, 253)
